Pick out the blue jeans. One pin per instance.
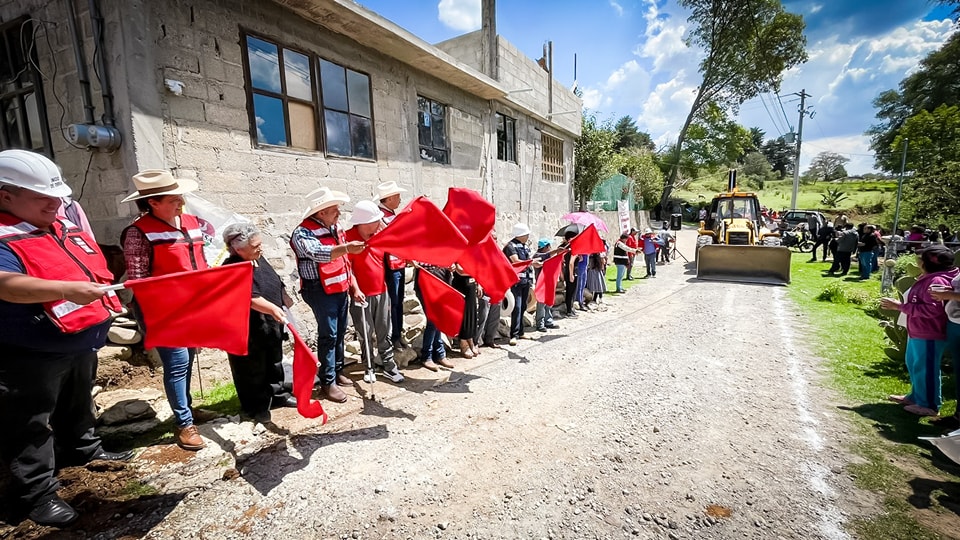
(395, 286)
(621, 271)
(544, 315)
(432, 344)
(923, 364)
(581, 277)
(866, 264)
(177, 369)
(521, 291)
(330, 310)
(651, 260)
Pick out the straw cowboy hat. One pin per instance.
(387, 189)
(324, 198)
(365, 212)
(156, 182)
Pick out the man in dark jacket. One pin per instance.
(846, 244)
(823, 238)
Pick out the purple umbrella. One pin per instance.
(585, 219)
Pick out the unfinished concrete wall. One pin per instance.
(518, 71)
(466, 48)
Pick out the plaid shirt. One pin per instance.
(309, 251)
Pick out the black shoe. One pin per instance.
(103, 455)
(284, 401)
(54, 513)
(552, 326)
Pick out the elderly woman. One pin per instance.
(258, 376)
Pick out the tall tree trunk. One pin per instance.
(678, 150)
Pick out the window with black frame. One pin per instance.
(432, 130)
(23, 117)
(506, 138)
(294, 94)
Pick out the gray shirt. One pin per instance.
(848, 241)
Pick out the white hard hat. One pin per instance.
(32, 171)
(365, 212)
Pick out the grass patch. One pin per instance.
(611, 277)
(136, 489)
(839, 312)
(222, 398)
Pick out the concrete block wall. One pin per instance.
(465, 48)
(518, 71)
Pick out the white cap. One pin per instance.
(520, 229)
(32, 171)
(365, 212)
(647, 230)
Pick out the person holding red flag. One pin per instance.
(516, 250)
(544, 314)
(394, 267)
(325, 279)
(53, 317)
(163, 240)
(433, 354)
(368, 269)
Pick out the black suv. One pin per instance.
(792, 218)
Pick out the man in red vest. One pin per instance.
(372, 322)
(325, 281)
(395, 267)
(53, 318)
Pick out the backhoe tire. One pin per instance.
(703, 240)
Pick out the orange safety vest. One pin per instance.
(173, 250)
(367, 267)
(65, 253)
(391, 262)
(334, 275)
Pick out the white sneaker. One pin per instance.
(513, 341)
(393, 375)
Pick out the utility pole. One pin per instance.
(796, 159)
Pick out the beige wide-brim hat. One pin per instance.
(324, 198)
(388, 189)
(365, 212)
(157, 182)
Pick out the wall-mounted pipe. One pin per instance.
(106, 90)
(82, 75)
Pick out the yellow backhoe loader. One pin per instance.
(734, 243)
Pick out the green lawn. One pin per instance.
(638, 271)
(849, 338)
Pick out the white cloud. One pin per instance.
(617, 7)
(854, 147)
(592, 98)
(462, 15)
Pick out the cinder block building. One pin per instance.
(263, 101)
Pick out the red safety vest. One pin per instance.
(391, 262)
(367, 267)
(173, 250)
(334, 275)
(65, 253)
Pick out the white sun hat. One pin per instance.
(388, 189)
(324, 198)
(157, 182)
(520, 229)
(365, 212)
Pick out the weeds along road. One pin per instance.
(686, 409)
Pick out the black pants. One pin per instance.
(468, 287)
(521, 292)
(841, 261)
(569, 292)
(820, 242)
(47, 415)
(258, 376)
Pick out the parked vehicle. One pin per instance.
(791, 218)
(797, 238)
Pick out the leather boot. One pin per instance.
(343, 380)
(53, 513)
(189, 438)
(335, 394)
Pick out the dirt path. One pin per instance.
(684, 410)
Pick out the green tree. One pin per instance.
(780, 155)
(756, 170)
(832, 197)
(827, 166)
(628, 135)
(756, 138)
(748, 44)
(595, 158)
(932, 85)
(932, 197)
(716, 141)
(638, 165)
(934, 138)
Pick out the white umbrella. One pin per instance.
(949, 444)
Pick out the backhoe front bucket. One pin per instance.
(748, 264)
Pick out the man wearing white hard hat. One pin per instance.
(53, 318)
(516, 250)
(325, 282)
(368, 268)
(389, 194)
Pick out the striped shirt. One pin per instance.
(309, 251)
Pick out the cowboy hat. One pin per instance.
(365, 212)
(157, 182)
(520, 229)
(388, 189)
(324, 198)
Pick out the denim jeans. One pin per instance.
(651, 260)
(521, 291)
(866, 264)
(544, 315)
(432, 344)
(581, 277)
(621, 271)
(395, 286)
(177, 369)
(330, 310)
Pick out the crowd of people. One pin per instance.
(56, 305)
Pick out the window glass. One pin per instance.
(361, 136)
(358, 87)
(431, 130)
(333, 79)
(338, 132)
(271, 126)
(297, 70)
(264, 64)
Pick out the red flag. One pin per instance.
(546, 287)
(423, 233)
(520, 266)
(199, 308)
(490, 267)
(471, 213)
(442, 304)
(587, 242)
(304, 372)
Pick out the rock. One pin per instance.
(125, 322)
(403, 357)
(127, 411)
(528, 320)
(95, 390)
(153, 358)
(504, 329)
(411, 305)
(352, 347)
(414, 320)
(123, 336)
(114, 353)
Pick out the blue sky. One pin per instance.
(631, 59)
